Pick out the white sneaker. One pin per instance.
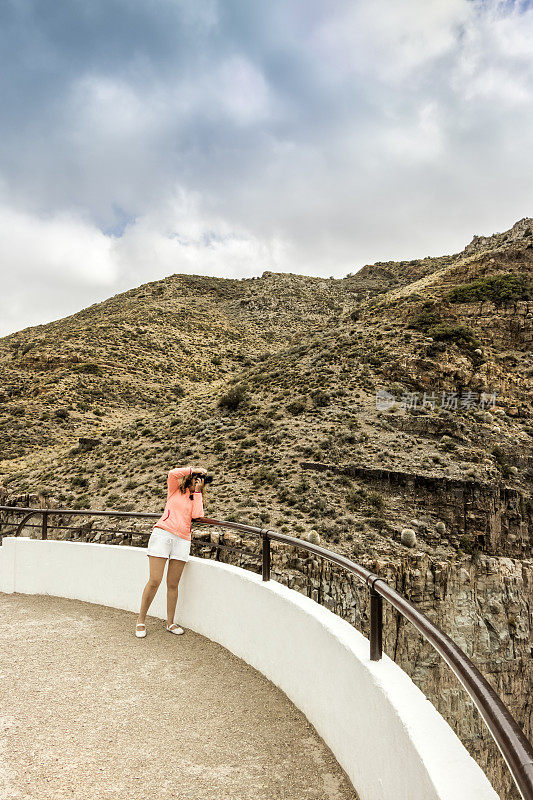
(174, 628)
(140, 633)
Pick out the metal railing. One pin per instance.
(511, 741)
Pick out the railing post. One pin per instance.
(44, 527)
(266, 556)
(376, 625)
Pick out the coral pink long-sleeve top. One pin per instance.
(180, 508)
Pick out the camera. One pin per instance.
(206, 478)
(201, 476)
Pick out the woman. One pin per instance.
(171, 538)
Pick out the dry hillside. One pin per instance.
(253, 377)
(273, 384)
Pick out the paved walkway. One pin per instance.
(90, 712)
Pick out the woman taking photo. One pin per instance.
(171, 539)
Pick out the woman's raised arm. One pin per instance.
(174, 477)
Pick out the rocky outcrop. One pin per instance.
(488, 517)
(509, 326)
(521, 230)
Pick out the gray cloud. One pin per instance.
(225, 138)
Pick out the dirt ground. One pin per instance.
(89, 711)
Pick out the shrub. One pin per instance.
(285, 496)
(354, 498)
(259, 424)
(461, 335)
(447, 444)
(375, 499)
(233, 398)
(499, 454)
(264, 475)
(88, 368)
(297, 407)
(427, 318)
(81, 502)
(320, 398)
(500, 289)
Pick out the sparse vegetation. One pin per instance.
(292, 377)
(79, 480)
(376, 501)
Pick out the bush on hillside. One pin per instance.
(233, 398)
(88, 368)
(296, 407)
(461, 335)
(500, 289)
(500, 456)
(376, 501)
(320, 398)
(426, 318)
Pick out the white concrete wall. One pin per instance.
(385, 734)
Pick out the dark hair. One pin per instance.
(186, 483)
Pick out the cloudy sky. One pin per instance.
(140, 138)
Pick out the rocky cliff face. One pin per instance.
(277, 391)
(492, 519)
(483, 603)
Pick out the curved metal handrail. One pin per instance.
(24, 521)
(511, 741)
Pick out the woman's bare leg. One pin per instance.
(157, 567)
(175, 568)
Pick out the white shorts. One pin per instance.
(164, 544)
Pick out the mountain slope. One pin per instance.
(144, 372)
(273, 384)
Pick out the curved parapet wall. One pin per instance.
(383, 731)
